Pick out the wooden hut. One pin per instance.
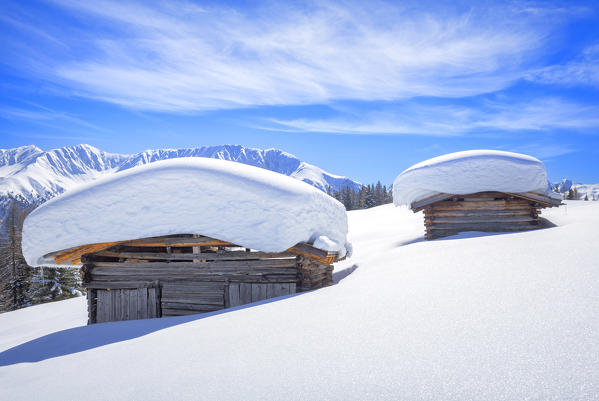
(267, 235)
(446, 214)
(189, 274)
(476, 190)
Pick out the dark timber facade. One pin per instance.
(446, 214)
(189, 274)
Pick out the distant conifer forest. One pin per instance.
(364, 198)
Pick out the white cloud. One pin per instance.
(543, 151)
(43, 115)
(184, 58)
(582, 71)
(487, 117)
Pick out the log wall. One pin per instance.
(129, 282)
(487, 212)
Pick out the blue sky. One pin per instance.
(363, 89)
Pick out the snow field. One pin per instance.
(476, 316)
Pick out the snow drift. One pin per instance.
(472, 317)
(245, 205)
(470, 172)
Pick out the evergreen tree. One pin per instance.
(367, 196)
(378, 193)
(387, 195)
(54, 284)
(348, 198)
(370, 197)
(14, 271)
(361, 202)
(21, 285)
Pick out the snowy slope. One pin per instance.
(489, 317)
(248, 206)
(34, 174)
(40, 320)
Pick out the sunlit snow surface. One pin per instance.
(470, 172)
(480, 316)
(245, 205)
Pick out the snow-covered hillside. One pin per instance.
(505, 316)
(591, 191)
(31, 173)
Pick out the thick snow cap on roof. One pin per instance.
(245, 205)
(470, 172)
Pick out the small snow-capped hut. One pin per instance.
(477, 190)
(189, 236)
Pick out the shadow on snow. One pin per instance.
(341, 274)
(83, 338)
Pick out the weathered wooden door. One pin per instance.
(127, 304)
(245, 293)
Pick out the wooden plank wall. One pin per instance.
(487, 212)
(187, 298)
(245, 293)
(191, 281)
(313, 274)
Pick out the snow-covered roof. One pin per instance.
(470, 172)
(245, 205)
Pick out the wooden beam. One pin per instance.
(479, 212)
(194, 256)
(544, 200)
(73, 255)
(422, 203)
(490, 205)
(177, 242)
(308, 251)
(179, 265)
(484, 227)
(478, 219)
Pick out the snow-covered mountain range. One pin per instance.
(588, 191)
(32, 174)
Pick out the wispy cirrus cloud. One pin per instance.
(483, 118)
(44, 115)
(582, 71)
(543, 151)
(185, 58)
